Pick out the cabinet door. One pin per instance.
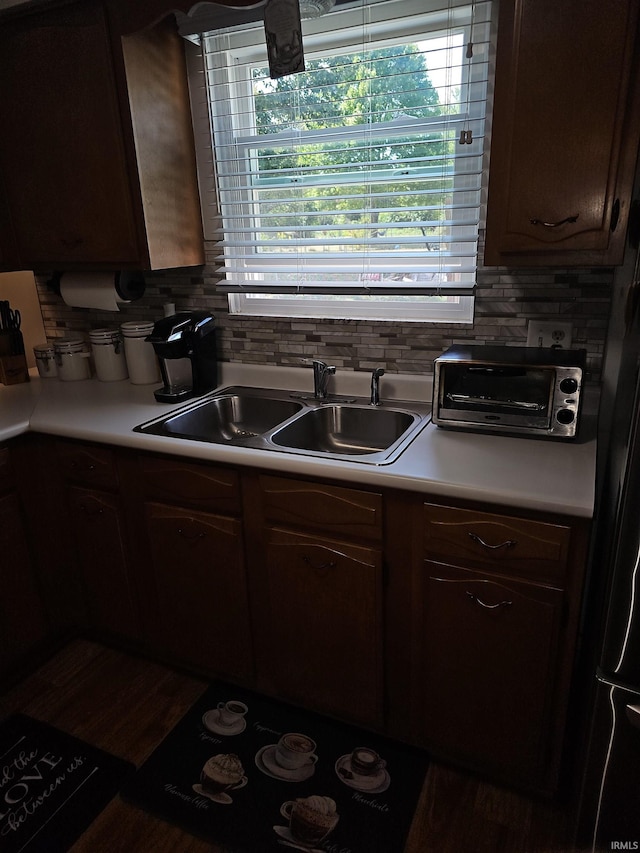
(488, 670)
(98, 528)
(61, 148)
(9, 259)
(23, 623)
(321, 625)
(565, 135)
(203, 611)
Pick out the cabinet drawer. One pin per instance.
(89, 464)
(499, 543)
(332, 509)
(204, 486)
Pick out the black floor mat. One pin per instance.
(259, 775)
(52, 786)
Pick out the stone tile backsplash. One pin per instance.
(505, 301)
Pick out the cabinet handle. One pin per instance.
(75, 464)
(509, 543)
(191, 538)
(554, 224)
(309, 562)
(488, 606)
(85, 509)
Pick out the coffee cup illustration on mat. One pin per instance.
(311, 820)
(364, 770)
(292, 759)
(231, 713)
(295, 750)
(221, 774)
(366, 762)
(228, 718)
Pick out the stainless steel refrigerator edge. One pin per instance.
(609, 814)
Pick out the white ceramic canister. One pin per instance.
(142, 360)
(72, 359)
(46, 361)
(108, 354)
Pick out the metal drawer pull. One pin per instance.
(509, 543)
(488, 606)
(193, 538)
(310, 563)
(75, 464)
(555, 224)
(87, 511)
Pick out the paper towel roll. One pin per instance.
(102, 290)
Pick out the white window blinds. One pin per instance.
(363, 173)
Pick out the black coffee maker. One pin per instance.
(185, 344)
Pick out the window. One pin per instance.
(351, 189)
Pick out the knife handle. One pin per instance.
(17, 341)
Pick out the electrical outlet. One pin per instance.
(549, 333)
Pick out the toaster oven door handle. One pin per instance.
(490, 401)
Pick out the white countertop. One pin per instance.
(17, 403)
(535, 474)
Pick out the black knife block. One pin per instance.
(13, 369)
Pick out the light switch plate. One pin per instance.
(549, 333)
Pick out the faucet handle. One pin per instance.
(321, 374)
(321, 365)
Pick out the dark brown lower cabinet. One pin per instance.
(452, 627)
(23, 621)
(201, 589)
(488, 669)
(97, 521)
(321, 624)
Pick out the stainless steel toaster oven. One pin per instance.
(526, 391)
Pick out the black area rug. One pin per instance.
(258, 776)
(52, 786)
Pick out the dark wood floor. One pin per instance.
(127, 705)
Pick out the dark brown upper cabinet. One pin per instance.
(565, 133)
(97, 164)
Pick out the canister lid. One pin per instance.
(137, 328)
(71, 344)
(43, 350)
(104, 336)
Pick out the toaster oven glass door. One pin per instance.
(506, 396)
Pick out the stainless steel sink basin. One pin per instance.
(344, 429)
(288, 422)
(228, 418)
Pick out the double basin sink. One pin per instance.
(290, 422)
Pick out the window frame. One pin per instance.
(410, 308)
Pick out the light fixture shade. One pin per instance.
(315, 8)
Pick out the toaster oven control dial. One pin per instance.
(569, 386)
(565, 416)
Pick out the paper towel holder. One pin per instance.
(129, 284)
